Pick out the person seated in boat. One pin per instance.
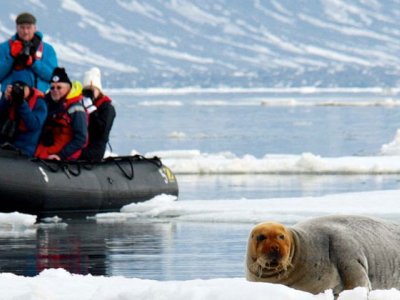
(23, 112)
(100, 120)
(25, 52)
(65, 132)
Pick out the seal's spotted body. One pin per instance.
(334, 252)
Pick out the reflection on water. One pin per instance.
(150, 250)
(180, 251)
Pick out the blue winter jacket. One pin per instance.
(41, 70)
(34, 119)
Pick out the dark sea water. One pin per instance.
(151, 250)
(174, 250)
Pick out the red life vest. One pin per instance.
(61, 130)
(38, 54)
(31, 100)
(100, 101)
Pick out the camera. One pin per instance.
(26, 50)
(88, 93)
(18, 92)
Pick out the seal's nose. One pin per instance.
(274, 252)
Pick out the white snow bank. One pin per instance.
(195, 162)
(16, 220)
(383, 204)
(58, 284)
(392, 148)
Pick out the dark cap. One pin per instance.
(59, 75)
(25, 18)
(23, 77)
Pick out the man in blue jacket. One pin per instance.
(25, 52)
(23, 112)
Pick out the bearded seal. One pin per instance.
(332, 252)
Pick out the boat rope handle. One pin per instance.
(129, 176)
(66, 168)
(73, 173)
(155, 160)
(66, 171)
(62, 166)
(48, 166)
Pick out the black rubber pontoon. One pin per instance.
(48, 188)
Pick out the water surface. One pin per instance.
(171, 250)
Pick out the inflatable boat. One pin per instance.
(49, 188)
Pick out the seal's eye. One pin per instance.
(281, 237)
(261, 237)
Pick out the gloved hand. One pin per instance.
(24, 60)
(88, 105)
(16, 48)
(34, 44)
(21, 51)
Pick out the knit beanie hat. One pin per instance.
(92, 78)
(25, 18)
(23, 77)
(59, 75)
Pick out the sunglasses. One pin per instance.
(56, 87)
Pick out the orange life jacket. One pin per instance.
(61, 130)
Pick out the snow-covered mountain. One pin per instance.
(213, 43)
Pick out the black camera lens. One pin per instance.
(17, 92)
